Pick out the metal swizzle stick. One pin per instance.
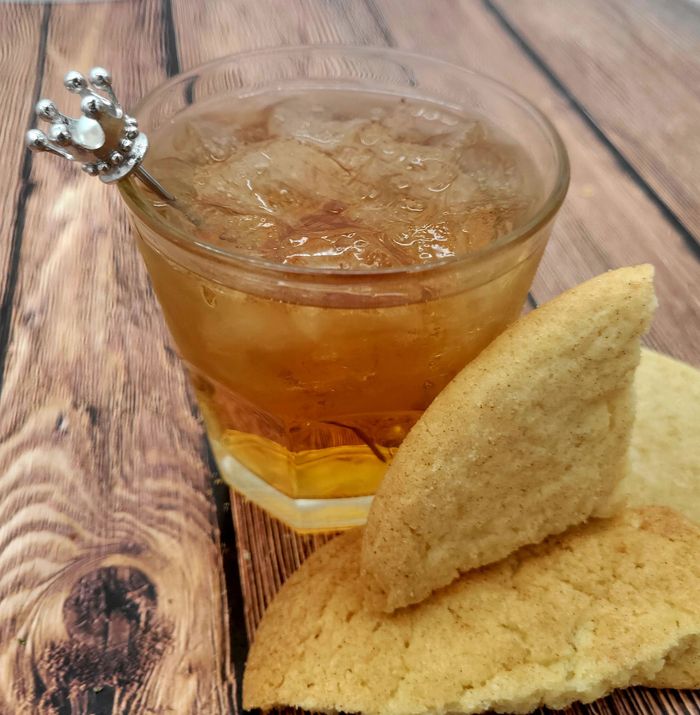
(105, 139)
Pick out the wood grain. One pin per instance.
(20, 56)
(111, 589)
(609, 220)
(634, 67)
(238, 26)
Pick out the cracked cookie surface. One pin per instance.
(529, 439)
(600, 607)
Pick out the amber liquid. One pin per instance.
(315, 396)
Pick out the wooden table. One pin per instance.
(120, 591)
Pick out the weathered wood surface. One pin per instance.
(20, 54)
(101, 465)
(111, 589)
(634, 67)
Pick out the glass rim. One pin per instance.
(544, 214)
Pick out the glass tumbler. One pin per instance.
(308, 379)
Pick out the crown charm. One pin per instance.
(105, 140)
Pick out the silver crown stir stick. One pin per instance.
(105, 139)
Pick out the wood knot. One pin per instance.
(114, 639)
(110, 606)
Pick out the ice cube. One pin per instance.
(176, 175)
(243, 232)
(315, 125)
(278, 177)
(418, 123)
(203, 139)
(344, 249)
(497, 168)
(402, 168)
(462, 135)
(315, 181)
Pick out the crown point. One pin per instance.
(116, 158)
(46, 109)
(74, 82)
(100, 77)
(90, 107)
(36, 140)
(90, 169)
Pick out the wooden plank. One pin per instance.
(268, 553)
(20, 55)
(238, 26)
(111, 590)
(634, 67)
(609, 220)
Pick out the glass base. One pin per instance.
(302, 515)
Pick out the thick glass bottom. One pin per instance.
(301, 514)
